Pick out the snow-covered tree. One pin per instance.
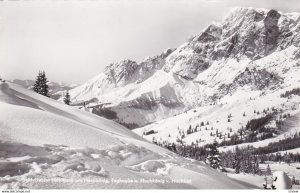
(67, 99)
(37, 84)
(237, 165)
(213, 158)
(293, 180)
(259, 172)
(40, 85)
(256, 166)
(269, 170)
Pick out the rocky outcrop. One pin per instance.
(193, 57)
(256, 79)
(122, 72)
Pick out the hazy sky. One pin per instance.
(74, 40)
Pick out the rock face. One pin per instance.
(257, 79)
(194, 57)
(253, 48)
(125, 72)
(254, 34)
(121, 73)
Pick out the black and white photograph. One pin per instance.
(149, 94)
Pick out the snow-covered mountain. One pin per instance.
(46, 144)
(56, 90)
(245, 68)
(251, 54)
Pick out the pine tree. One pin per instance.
(293, 181)
(254, 171)
(257, 166)
(44, 86)
(37, 84)
(213, 158)
(265, 185)
(269, 170)
(67, 99)
(237, 164)
(40, 85)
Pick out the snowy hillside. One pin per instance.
(46, 144)
(251, 52)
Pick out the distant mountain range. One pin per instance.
(56, 90)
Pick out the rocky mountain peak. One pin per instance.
(245, 32)
(248, 32)
(121, 73)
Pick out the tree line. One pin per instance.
(242, 159)
(288, 94)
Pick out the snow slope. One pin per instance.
(46, 144)
(217, 118)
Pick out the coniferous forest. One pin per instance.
(242, 159)
(295, 91)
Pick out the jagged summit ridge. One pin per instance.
(244, 33)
